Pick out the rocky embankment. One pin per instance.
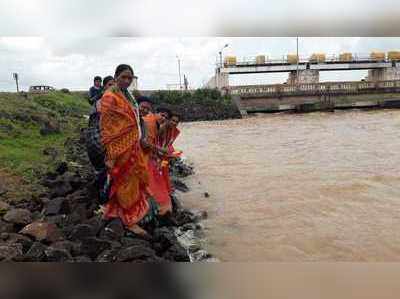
(201, 112)
(64, 223)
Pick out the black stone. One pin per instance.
(82, 231)
(113, 230)
(177, 253)
(92, 247)
(82, 259)
(25, 242)
(61, 188)
(128, 242)
(6, 227)
(57, 255)
(179, 185)
(135, 253)
(9, 252)
(107, 256)
(62, 168)
(57, 206)
(163, 238)
(18, 216)
(36, 253)
(73, 248)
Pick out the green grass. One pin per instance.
(21, 144)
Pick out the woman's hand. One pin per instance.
(110, 164)
(145, 145)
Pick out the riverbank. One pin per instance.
(55, 216)
(197, 105)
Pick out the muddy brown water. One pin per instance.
(309, 187)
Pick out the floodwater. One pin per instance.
(298, 187)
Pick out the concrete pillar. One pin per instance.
(386, 74)
(222, 80)
(305, 76)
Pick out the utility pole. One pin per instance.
(185, 82)
(179, 69)
(15, 75)
(220, 63)
(298, 58)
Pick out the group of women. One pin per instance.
(138, 145)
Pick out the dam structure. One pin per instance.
(303, 91)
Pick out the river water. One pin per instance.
(298, 187)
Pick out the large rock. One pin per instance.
(128, 242)
(184, 216)
(97, 223)
(82, 259)
(163, 239)
(114, 230)
(57, 206)
(57, 255)
(61, 188)
(42, 231)
(73, 248)
(58, 220)
(107, 256)
(92, 247)
(6, 227)
(18, 216)
(36, 253)
(82, 231)
(74, 180)
(177, 253)
(136, 253)
(10, 252)
(62, 168)
(3, 189)
(4, 207)
(179, 185)
(24, 241)
(50, 127)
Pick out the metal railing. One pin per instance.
(331, 58)
(277, 90)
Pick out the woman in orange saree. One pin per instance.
(165, 141)
(120, 132)
(157, 185)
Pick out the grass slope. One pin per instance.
(21, 119)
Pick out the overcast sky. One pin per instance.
(72, 63)
(64, 43)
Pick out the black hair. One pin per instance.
(165, 110)
(97, 78)
(107, 79)
(142, 99)
(174, 114)
(121, 68)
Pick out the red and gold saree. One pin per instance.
(120, 132)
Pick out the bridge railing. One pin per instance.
(277, 90)
(330, 58)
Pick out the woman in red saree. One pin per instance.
(120, 132)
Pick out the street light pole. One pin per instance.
(220, 63)
(179, 69)
(15, 75)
